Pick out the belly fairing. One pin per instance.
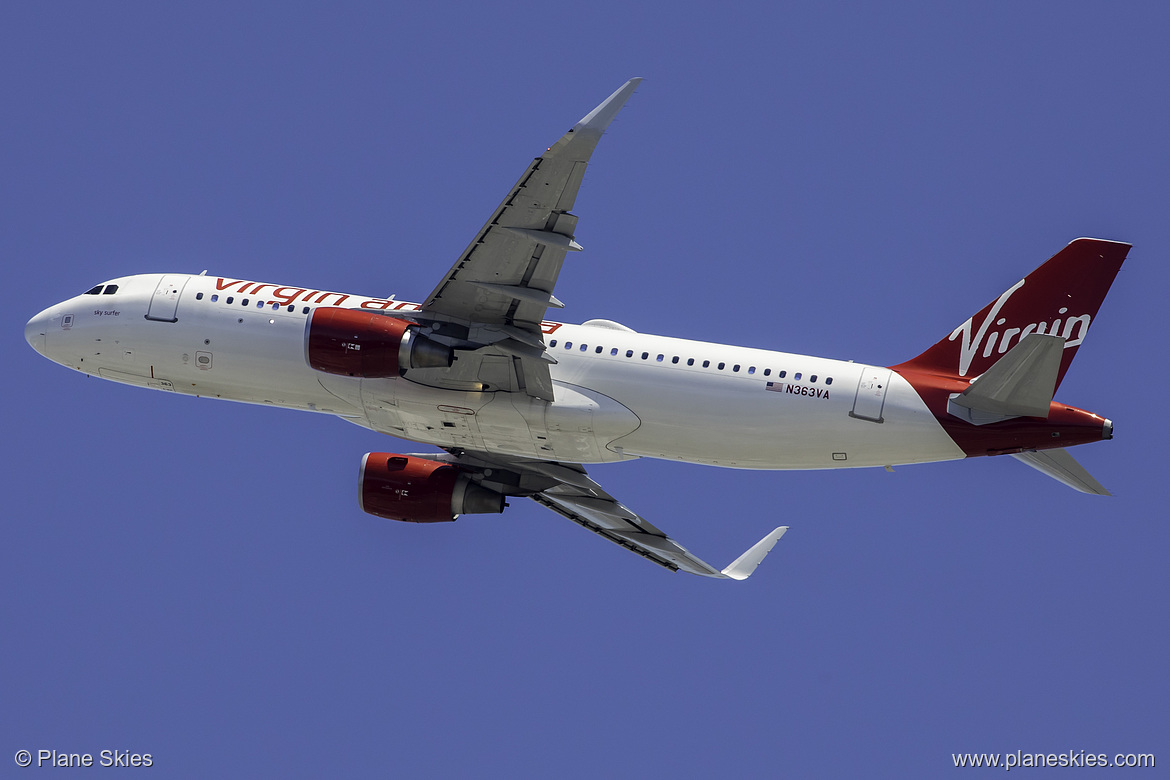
(577, 427)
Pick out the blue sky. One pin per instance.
(193, 579)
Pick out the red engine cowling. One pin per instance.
(417, 490)
(359, 343)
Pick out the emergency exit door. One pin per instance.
(871, 394)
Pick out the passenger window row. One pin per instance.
(259, 304)
(674, 360)
(660, 358)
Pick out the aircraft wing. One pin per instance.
(593, 508)
(498, 291)
(566, 489)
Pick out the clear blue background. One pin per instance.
(193, 579)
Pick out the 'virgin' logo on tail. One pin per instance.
(974, 340)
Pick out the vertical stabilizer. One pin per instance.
(1060, 298)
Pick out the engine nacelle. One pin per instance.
(417, 490)
(352, 342)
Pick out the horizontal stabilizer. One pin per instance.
(1061, 466)
(1020, 384)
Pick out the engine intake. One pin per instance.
(417, 490)
(352, 342)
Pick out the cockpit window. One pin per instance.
(110, 289)
(94, 291)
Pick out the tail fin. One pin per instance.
(1060, 298)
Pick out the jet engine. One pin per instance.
(417, 490)
(352, 342)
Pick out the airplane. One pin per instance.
(520, 404)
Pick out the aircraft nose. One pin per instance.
(35, 330)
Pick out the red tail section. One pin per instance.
(1059, 298)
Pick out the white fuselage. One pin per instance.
(619, 394)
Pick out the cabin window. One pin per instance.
(813, 378)
(706, 364)
(305, 310)
(259, 304)
(230, 299)
(629, 353)
(783, 374)
(292, 309)
(568, 345)
(796, 376)
(244, 302)
(198, 296)
(690, 361)
(721, 365)
(584, 347)
(553, 343)
(598, 350)
(659, 358)
(735, 368)
(828, 380)
(214, 298)
(674, 359)
(645, 355)
(767, 372)
(751, 369)
(613, 351)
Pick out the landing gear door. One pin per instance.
(165, 302)
(871, 394)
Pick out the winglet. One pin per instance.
(599, 118)
(744, 565)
